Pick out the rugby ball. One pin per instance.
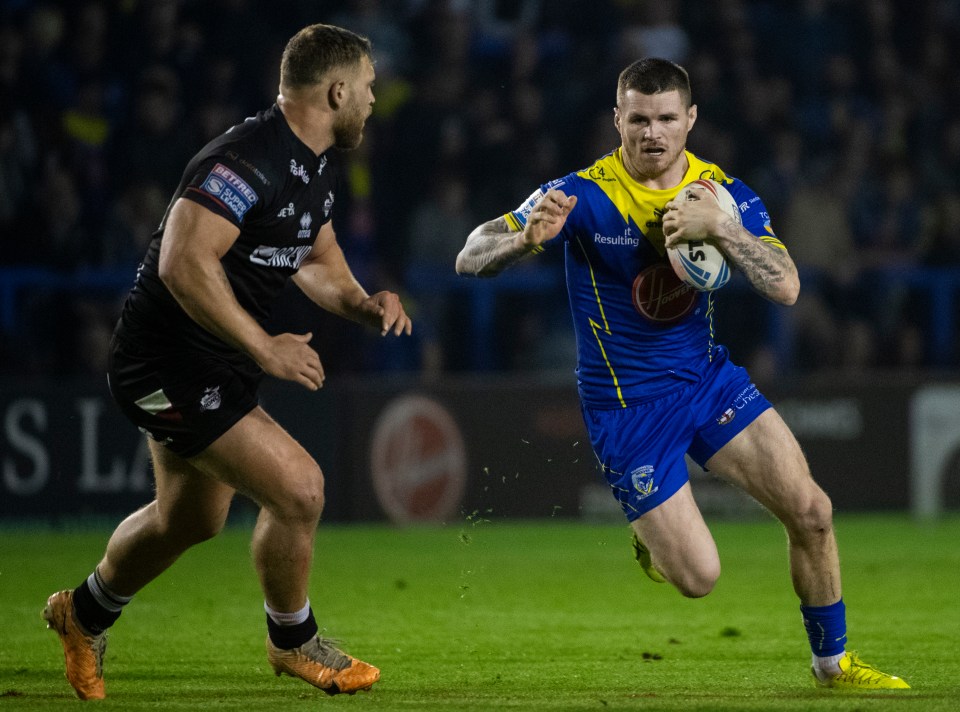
(700, 263)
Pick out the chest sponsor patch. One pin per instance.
(285, 257)
(230, 189)
(660, 297)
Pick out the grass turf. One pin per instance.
(501, 615)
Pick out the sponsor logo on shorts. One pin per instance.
(745, 396)
(210, 400)
(728, 415)
(642, 479)
(230, 189)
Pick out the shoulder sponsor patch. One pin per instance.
(230, 189)
(518, 218)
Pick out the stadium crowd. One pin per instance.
(838, 113)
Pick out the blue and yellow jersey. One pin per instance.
(641, 332)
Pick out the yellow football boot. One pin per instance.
(642, 554)
(857, 675)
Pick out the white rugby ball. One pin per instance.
(700, 263)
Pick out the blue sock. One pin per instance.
(826, 628)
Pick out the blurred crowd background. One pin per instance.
(840, 114)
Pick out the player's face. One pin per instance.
(653, 129)
(357, 107)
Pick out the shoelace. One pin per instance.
(860, 671)
(326, 653)
(99, 646)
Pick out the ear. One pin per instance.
(691, 116)
(335, 94)
(616, 117)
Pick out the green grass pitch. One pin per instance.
(494, 615)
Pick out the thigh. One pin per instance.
(260, 459)
(187, 497)
(676, 534)
(766, 461)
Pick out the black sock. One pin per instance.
(93, 617)
(287, 637)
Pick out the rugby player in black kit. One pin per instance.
(253, 210)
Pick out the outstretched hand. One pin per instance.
(548, 217)
(384, 311)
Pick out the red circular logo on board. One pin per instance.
(660, 296)
(418, 461)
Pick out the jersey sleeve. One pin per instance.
(753, 213)
(517, 219)
(230, 186)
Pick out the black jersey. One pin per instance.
(263, 179)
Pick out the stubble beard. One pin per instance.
(348, 134)
(650, 169)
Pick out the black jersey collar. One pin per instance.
(302, 151)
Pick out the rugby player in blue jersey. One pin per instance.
(653, 383)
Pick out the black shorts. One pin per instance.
(184, 399)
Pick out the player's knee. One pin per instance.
(813, 516)
(698, 582)
(189, 529)
(303, 499)
(201, 531)
(821, 512)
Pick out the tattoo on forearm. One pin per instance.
(762, 264)
(487, 252)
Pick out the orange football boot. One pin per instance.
(323, 665)
(83, 652)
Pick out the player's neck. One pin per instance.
(308, 123)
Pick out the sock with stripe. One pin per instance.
(827, 631)
(96, 606)
(290, 630)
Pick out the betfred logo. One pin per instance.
(418, 461)
(660, 297)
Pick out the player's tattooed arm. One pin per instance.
(491, 248)
(768, 268)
